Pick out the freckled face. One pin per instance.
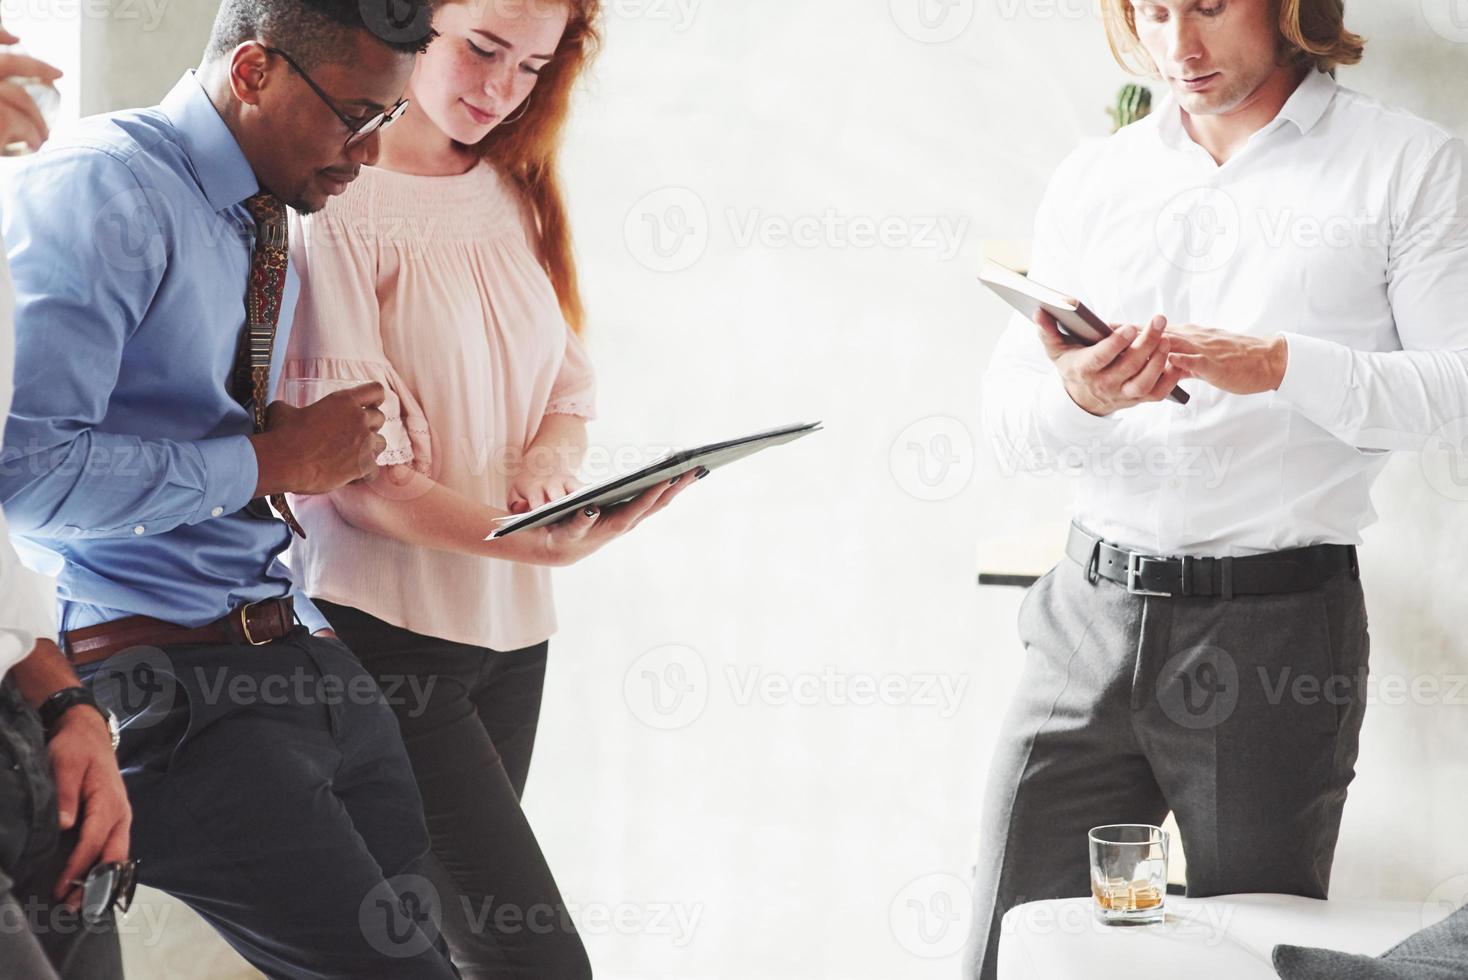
(484, 63)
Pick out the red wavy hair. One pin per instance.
(528, 150)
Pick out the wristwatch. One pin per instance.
(58, 704)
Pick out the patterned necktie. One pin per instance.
(263, 298)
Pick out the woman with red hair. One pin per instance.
(446, 274)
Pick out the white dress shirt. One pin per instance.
(27, 600)
(1342, 224)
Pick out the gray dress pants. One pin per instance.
(1240, 716)
(40, 939)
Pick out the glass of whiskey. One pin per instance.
(1129, 873)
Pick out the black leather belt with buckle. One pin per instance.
(1167, 577)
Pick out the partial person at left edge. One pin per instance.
(142, 458)
(64, 815)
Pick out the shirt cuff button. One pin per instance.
(139, 530)
(217, 511)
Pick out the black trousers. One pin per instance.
(40, 939)
(468, 717)
(271, 794)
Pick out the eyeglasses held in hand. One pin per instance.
(108, 886)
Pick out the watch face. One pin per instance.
(113, 727)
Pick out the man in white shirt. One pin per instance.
(1203, 651)
(63, 808)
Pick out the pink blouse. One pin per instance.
(430, 286)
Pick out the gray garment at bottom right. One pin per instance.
(1438, 952)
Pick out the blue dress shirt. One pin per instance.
(126, 463)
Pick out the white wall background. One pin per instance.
(710, 830)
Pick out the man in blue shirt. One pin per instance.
(269, 784)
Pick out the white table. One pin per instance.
(1227, 938)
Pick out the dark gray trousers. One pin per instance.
(40, 939)
(1239, 716)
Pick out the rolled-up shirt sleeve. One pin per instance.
(1397, 400)
(60, 475)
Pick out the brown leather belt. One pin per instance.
(255, 624)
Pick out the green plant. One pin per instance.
(1133, 102)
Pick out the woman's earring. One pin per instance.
(524, 108)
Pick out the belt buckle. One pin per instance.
(1134, 574)
(245, 622)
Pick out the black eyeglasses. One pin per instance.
(106, 887)
(360, 129)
